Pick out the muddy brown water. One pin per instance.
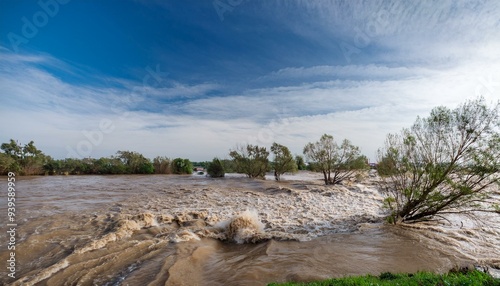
(134, 230)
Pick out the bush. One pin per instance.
(182, 166)
(162, 165)
(8, 164)
(301, 164)
(215, 169)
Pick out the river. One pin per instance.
(193, 230)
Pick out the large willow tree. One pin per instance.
(445, 163)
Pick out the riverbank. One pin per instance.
(471, 278)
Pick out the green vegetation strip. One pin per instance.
(420, 278)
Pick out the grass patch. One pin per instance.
(471, 278)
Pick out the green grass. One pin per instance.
(471, 278)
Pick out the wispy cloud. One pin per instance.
(363, 106)
(415, 56)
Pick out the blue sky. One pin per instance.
(195, 78)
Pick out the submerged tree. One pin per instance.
(162, 165)
(215, 169)
(283, 160)
(251, 160)
(301, 164)
(444, 163)
(182, 166)
(336, 162)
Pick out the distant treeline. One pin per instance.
(29, 160)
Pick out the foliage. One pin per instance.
(182, 166)
(162, 165)
(283, 160)
(215, 169)
(135, 163)
(331, 159)
(26, 160)
(301, 164)
(108, 166)
(472, 278)
(52, 166)
(444, 163)
(229, 166)
(251, 160)
(8, 164)
(202, 164)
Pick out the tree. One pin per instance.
(329, 158)
(13, 149)
(32, 159)
(28, 159)
(162, 165)
(135, 162)
(283, 160)
(103, 165)
(182, 166)
(301, 164)
(229, 166)
(251, 160)
(444, 163)
(215, 169)
(8, 164)
(52, 167)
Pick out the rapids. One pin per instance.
(193, 230)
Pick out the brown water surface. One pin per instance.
(163, 230)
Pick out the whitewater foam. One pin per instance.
(244, 227)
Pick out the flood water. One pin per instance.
(181, 230)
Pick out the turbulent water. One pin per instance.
(192, 230)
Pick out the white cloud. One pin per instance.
(44, 107)
(424, 55)
(363, 72)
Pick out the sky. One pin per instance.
(196, 78)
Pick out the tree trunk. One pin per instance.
(326, 178)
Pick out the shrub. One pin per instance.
(182, 166)
(215, 169)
